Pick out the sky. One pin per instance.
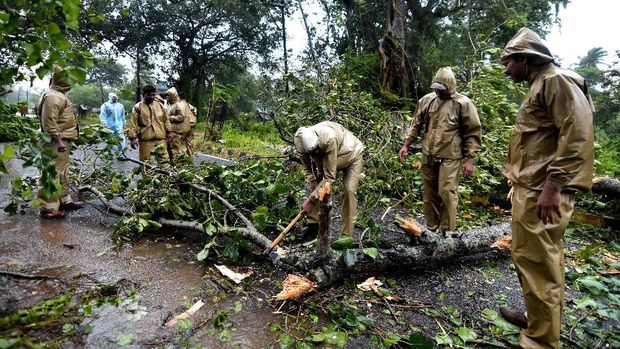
(585, 24)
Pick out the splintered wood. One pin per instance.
(503, 243)
(294, 287)
(184, 315)
(325, 189)
(409, 225)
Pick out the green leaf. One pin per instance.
(594, 286)
(8, 153)
(349, 257)
(124, 339)
(371, 252)
(342, 243)
(419, 341)
(443, 339)
(466, 334)
(337, 338)
(87, 309)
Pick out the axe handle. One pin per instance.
(279, 238)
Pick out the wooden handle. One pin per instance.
(279, 238)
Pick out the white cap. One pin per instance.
(306, 140)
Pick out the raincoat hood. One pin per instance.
(306, 140)
(173, 96)
(445, 78)
(110, 96)
(527, 42)
(59, 80)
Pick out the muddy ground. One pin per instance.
(158, 276)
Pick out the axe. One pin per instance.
(279, 238)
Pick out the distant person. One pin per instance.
(325, 149)
(550, 157)
(149, 126)
(193, 117)
(180, 116)
(58, 120)
(448, 124)
(113, 116)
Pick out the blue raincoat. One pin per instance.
(113, 116)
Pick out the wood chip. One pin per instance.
(184, 315)
(294, 287)
(234, 276)
(503, 243)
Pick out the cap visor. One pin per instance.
(438, 86)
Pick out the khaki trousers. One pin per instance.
(349, 200)
(180, 145)
(52, 203)
(147, 146)
(538, 256)
(440, 178)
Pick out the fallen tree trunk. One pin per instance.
(430, 249)
(606, 186)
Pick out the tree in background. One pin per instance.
(106, 73)
(34, 35)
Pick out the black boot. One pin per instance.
(514, 317)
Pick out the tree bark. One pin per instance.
(396, 72)
(606, 186)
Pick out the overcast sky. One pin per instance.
(586, 24)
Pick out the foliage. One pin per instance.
(34, 35)
(13, 127)
(85, 94)
(54, 322)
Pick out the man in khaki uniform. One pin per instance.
(58, 120)
(326, 148)
(180, 116)
(149, 125)
(550, 157)
(450, 129)
(192, 120)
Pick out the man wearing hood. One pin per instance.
(449, 126)
(325, 149)
(550, 157)
(58, 120)
(113, 116)
(180, 116)
(149, 126)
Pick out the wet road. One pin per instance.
(162, 270)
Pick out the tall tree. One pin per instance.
(34, 35)
(106, 73)
(593, 58)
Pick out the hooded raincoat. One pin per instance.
(113, 116)
(180, 116)
(337, 150)
(149, 123)
(58, 119)
(552, 140)
(450, 131)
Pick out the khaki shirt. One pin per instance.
(338, 148)
(148, 121)
(57, 116)
(452, 127)
(553, 138)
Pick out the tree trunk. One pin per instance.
(396, 71)
(329, 266)
(606, 186)
(315, 60)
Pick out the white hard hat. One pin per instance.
(306, 140)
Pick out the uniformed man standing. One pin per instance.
(180, 116)
(550, 157)
(325, 149)
(58, 120)
(449, 126)
(149, 126)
